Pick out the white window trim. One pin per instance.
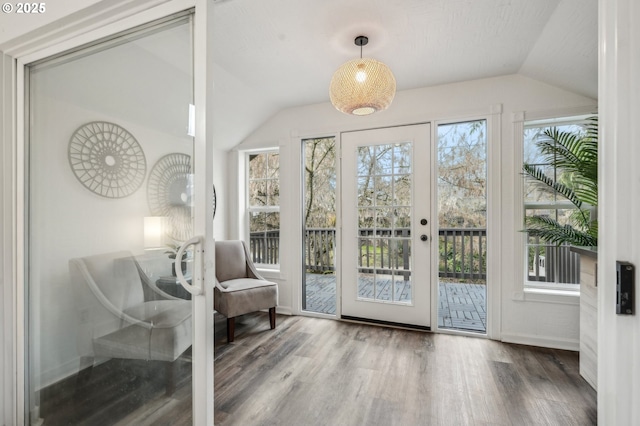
(525, 290)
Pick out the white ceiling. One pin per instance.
(275, 54)
(284, 52)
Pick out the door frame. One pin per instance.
(98, 22)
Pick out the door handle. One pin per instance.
(196, 289)
(423, 237)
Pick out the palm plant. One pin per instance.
(575, 158)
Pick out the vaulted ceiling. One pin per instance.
(275, 54)
(284, 52)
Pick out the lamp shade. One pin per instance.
(362, 86)
(155, 232)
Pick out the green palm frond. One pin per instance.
(556, 233)
(538, 174)
(575, 159)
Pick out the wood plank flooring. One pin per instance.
(312, 371)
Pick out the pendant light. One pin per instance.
(362, 86)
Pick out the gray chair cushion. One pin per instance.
(239, 288)
(230, 260)
(234, 303)
(240, 284)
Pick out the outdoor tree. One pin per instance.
(462, 175)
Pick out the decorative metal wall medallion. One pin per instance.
(170, 191)
(107, 159)
(214, 201)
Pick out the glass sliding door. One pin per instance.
(462, 225)
(319, 226)
(110, 198)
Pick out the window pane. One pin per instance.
(462, 175)
(385, 159)
(264, 192)
(548, 262)
(265, 237)
(365, 160)
(257, 166)
(402, 190)
(273, 166)
(402, 158)
(258, 193)
(384, 190)
(365, 191)
(365, 218)
(273, 192)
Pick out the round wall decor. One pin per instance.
(214, 201)
(107, 159)
(169, 193)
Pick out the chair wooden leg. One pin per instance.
(231, 329)
(272, 317)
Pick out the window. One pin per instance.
(549, 265)
(263, 183)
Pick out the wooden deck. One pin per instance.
(461, 306)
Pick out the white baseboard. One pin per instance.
(545, 342)
(61, 372)
(284, 310)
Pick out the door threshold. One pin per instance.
(385, 323)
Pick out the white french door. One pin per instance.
(114, 183)
(386, 255)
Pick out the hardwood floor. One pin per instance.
(321, 372)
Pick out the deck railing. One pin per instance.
(462, 253)
(264, 247)
(552, 264)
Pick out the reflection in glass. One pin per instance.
(108, 335)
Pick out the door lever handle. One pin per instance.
(193, 289)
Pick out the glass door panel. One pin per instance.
(319, 233)
(384, 208)
(462, 226)
(110, 197)
(385, 259)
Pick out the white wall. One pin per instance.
(546, 320)
(619, 204)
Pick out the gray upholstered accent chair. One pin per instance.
(239, 287)
(115, 321)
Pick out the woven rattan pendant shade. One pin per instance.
(362, 86)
